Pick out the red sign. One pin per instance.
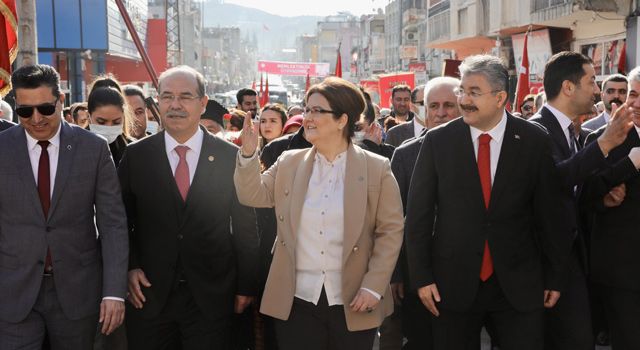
(418, 67)
(388, 81)
(294, 68)
(372, 87)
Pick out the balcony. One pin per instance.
(548, 10)
(439, 26)
(539, 5)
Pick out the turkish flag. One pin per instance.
(622, 60)
(8, 42)
(308, 83)
(265, 95)
(523, 77)
(339, 65)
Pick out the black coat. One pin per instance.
(522, 224)
(211, 238)
(275, 148)
(5, 124)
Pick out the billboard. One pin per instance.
(539, 51)
(293, 68)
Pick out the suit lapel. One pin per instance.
(25, 171)
(299, 191)
(355, 198)
(66, 155)
(556, 132)
(508, 158)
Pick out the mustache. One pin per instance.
(616, 101)
(468, 108)
(180, 114)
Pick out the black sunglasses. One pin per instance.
(46, 109)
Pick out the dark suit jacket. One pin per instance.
(402, 163)
(615, 236)
(400, 133)
(522, 223)
(5, 124)
(86, 194)
(211, 237)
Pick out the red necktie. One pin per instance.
(44, 191)
(484, 169)
(182, 172)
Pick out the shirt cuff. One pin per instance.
(113, 298)
(373, 293)
(244, 161)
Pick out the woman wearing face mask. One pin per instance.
(368, 134)
(108, 118)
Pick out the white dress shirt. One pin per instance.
(497, 135)
(193, 154)
(54, 151)
(637, 130)
(606, 116)
(34, 156)
(564, 124)
(417, 127)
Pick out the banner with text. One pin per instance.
(388, 81)
(294, 68)
(539, 51)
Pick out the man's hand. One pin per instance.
(242, 301)
(617, 129)
(364, 302)
(374, 134)
(111, 315)
(429, 295)
(615, 197)
(550, 298)
(137, 278)
(397, 290)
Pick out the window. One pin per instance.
(463, 24)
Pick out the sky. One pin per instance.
(315, 7)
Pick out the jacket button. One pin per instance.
(180, 236)
(355, 249)
(281, 218)
(286, 192)
(48, 229)
(283, 242)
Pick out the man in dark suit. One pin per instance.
(194, 248)
(441, 107)
(615, 264)
(482, 211)
(570, 87)
(410, 123)
(614, 90)
(59, 276)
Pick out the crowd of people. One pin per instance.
(178, 224)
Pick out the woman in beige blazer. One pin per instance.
(340, 227)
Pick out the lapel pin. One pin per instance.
(211, 158)
(360, 178)
(69, 147)
(517, 136)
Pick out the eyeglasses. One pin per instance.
(316, 110)
(182, 99)
(473, 94)
(45, 109)
(527, 108)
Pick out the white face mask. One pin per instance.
(421, 113)
(358, 137)
(152, 126)
(110, 133)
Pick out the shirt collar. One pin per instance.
(194, 143)
(497, 133)
(54, 141)
(561, 117)
(417, 127)
(340, 159)
(637, 130)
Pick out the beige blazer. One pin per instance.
(373, 227)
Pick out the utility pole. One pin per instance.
(27, 33)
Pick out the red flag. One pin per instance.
(308, 83)
(253, 85)
(338, 72)
(612, 54)
(622, 60)
(265, 95)
(260, 92)
(523, 77)
(8, 42)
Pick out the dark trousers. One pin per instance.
(320, 327)
(180, 326)
(47, 317)
(416, 323)
(622, 308)
(516, 330)
(568, 324)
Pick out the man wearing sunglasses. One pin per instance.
(527, 107)
(59, 275)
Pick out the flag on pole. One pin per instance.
(338, 72)
(622, 60)
(308, 83)
(260, 92)
(8, 42)
(265, 95)
(253, 85)
(523, 77)
(611, 55)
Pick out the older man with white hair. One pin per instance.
(6, 115)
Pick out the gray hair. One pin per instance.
(438, 82)
(5, 109)
(184, 70)
(634, 74)
(491, 67)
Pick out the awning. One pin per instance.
(466, 46)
